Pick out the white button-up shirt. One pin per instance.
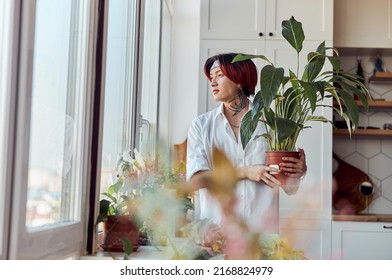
(256, 202)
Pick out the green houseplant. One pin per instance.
(117, 213)
(286, 102)
(136, 209)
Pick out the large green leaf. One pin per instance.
(258, 103)
(290, 101)
(242, 57)
(292, 31)
(248, 127)
(270, 80)
(269, 118)
(285, 128)
(115, 188)
(310, 91)
(335, 62)
(316, 61)
(351, 106)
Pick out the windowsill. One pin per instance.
(142, 253)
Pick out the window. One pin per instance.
(53, 129)
(125, 125)
(131, 82)
(120, 85)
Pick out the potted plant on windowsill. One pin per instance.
(287, 102)
(141, 205)
(117, 213)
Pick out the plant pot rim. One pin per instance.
(281, 151)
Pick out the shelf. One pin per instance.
(381, 78)
(347, 51)
(362, 132)
(376, 104)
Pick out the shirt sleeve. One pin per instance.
(197, 156)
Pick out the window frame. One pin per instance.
(63, 240)
(10, 52)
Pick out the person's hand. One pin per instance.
(261, 173)
(296, 167)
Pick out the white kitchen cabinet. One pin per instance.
(363, 23)
(262, 19)
(311, 236)
(361, 241)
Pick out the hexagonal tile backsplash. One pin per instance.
(372, 155)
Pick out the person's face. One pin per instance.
(223, 89)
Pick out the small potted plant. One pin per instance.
(117, 213)
(138, 208)
(287, 102)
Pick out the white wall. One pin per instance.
(185, 68)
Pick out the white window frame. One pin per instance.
(8, 57)
(65, 240)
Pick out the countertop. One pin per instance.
(362, 218)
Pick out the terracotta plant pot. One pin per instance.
(289, 184)
(117, 227)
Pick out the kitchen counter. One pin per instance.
(362, 218)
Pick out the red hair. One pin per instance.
(241, 72)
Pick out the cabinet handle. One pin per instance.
(271, 34)
(387, 227)
(261, 34)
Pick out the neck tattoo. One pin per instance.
(239, 104)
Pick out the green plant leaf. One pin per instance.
(127, 245)
(258, 103)
(310, 91)
(102, 217)
(270, 81)
(316, 61)
(290, 101)
(115, 188)
(247, 128)
(242, 57)
(317, 119)
(351, 106)
(292, 31)
(104, 206)
(285, 128)
(335, 62)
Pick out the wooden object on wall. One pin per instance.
(354, 187)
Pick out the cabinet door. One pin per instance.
(316, 17)
(361, 241)
(311, 236)
(363, 23)
(212, 47)
(254, 19)
(232, 19)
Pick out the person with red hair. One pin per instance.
(257, 191)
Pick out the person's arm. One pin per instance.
(197, 164)
(258, 173)
(199, 180)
